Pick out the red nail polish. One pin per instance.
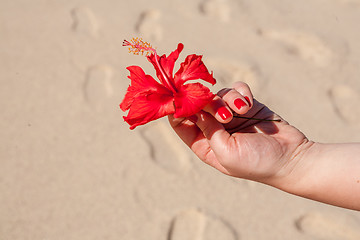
(224, 113)
(239, 103)
(248, 100)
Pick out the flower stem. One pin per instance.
(258, 119)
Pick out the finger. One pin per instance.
(191, 135)
(185, 128)
(234, 100)
(219, 109)
(194, 138)
(206, 154)
(215, 132)
(245, 91)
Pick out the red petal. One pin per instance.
(149, 107)
(140, 84)
(191, 98)
(193, 68)
(167, 63)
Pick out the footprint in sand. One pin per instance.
(165, 148)
(148, 25)
(84, 21)
(188, 225)
(195, 225)
(218, 9)
(346, 101)
(97, 86)
(227, 72)
(329, 227)
(308, 47)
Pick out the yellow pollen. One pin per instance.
(138, 46)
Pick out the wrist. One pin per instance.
(293, 177)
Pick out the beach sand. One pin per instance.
(70, 168)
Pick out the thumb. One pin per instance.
(214, 131)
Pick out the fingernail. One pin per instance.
(239, 103)
(224, 113)
(248, 101)
(193, 118)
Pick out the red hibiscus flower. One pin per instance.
(147, 99)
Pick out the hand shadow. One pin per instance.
(259, 111)
(255, 126)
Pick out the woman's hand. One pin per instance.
(263, 151)
(274, 153)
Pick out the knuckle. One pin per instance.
(223, 92)
(241, 85)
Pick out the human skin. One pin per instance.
(270, 152)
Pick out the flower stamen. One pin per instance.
(137, 46)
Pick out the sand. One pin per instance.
(70, 167)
